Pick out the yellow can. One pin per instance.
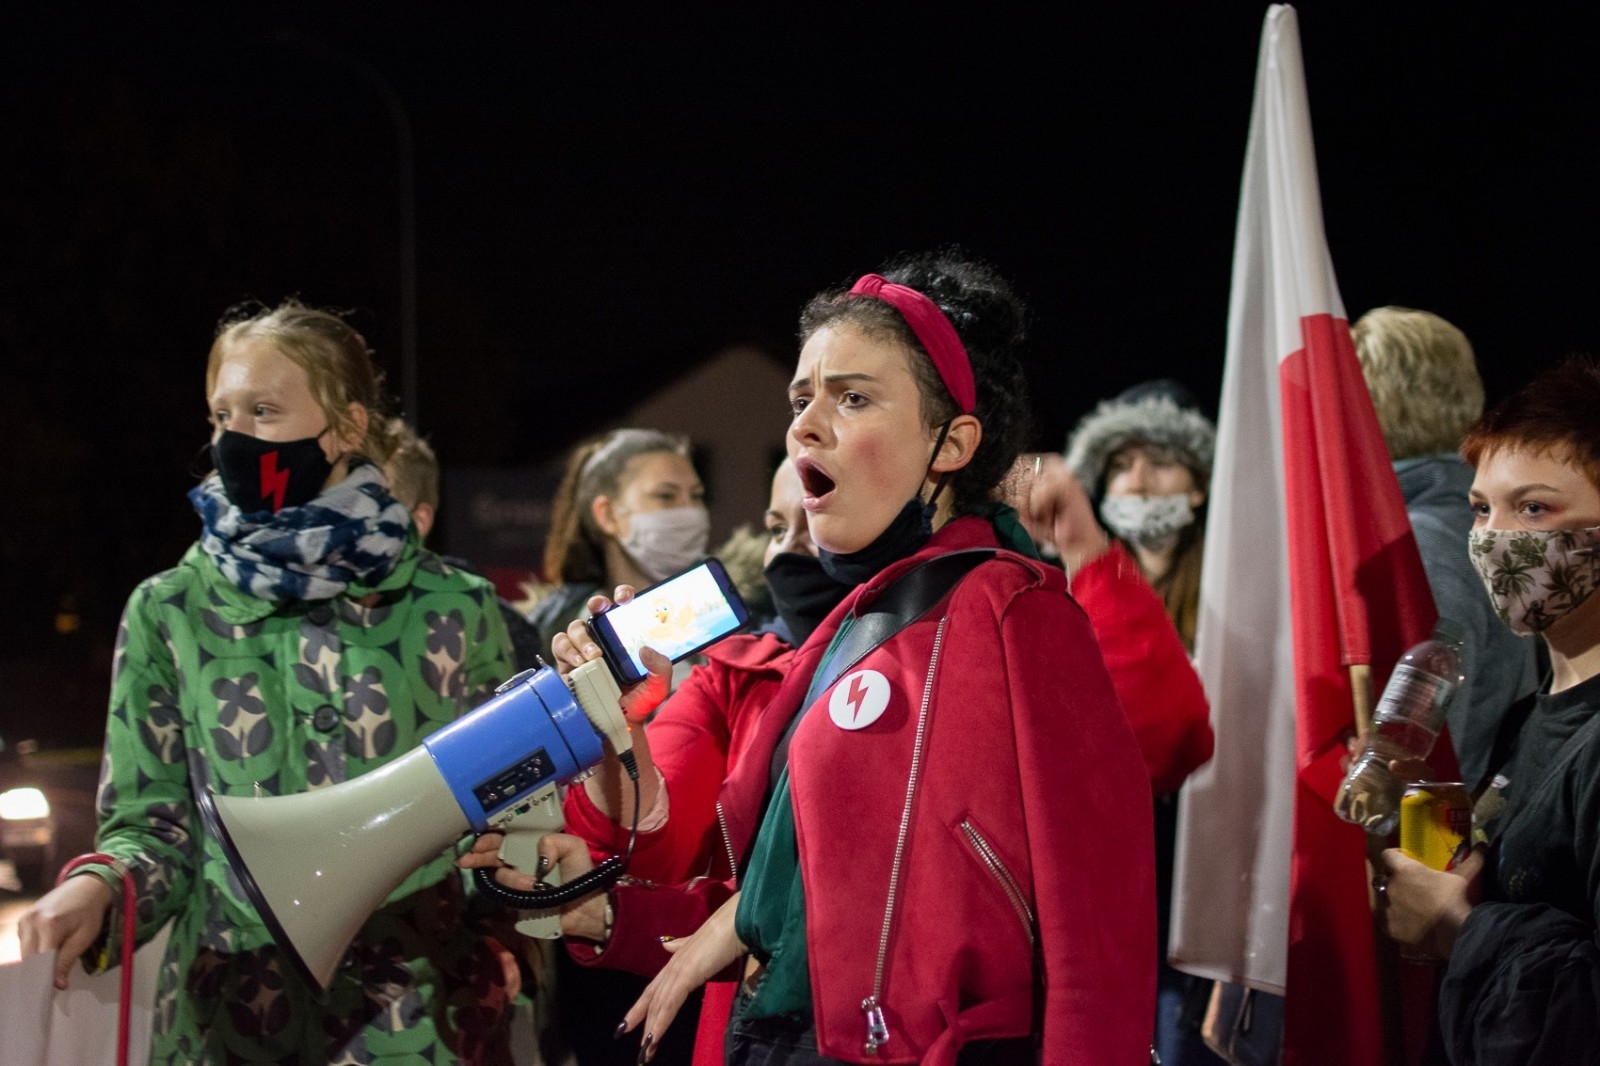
(1436, 823)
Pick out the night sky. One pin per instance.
(603, 199)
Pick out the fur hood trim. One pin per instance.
(1154, 420)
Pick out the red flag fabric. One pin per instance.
(1310, 568)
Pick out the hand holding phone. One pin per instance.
(676, 617)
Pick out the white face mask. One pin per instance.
(661, 543)
(1536, 576)
(1150, 522)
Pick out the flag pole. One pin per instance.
(1361, 696)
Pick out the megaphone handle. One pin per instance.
(602, 877)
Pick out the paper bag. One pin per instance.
(42, 1027)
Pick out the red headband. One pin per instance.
(933, 329)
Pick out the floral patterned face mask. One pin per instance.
(1536, 576)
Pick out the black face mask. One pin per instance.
(905, 536)
(802, 592)
(908, 532)
(262, 475)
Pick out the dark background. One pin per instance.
(601, 200)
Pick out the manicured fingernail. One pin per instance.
(644, 1049)
(668, 939)
(622, 1027)
(544, 865)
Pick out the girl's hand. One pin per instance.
(66, 920)
(1056, 511)
(576, 646)
(1424, 908)
(695, 960)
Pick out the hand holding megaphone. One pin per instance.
(565, 856)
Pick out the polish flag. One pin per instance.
(1310, 569)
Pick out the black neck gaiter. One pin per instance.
(802, 592)
(908, 532)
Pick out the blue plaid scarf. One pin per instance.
(352, 533)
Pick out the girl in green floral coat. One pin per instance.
(305, 640)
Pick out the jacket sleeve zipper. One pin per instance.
(872, 1006)
(1008, 884)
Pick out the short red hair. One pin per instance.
(1555, 414)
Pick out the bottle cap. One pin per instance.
(1450, 631)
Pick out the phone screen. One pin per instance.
(677, 617)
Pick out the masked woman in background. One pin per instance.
(1145, 458)
(693, 743)
(630, 511)
(957, 847)
(1517, 921)
(306, 639)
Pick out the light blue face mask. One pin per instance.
(1150, 522)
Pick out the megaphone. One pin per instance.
(317, 864)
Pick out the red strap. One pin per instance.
(125, 999)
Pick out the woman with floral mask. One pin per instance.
(1516, 922)
(950, 854)
(307, 638)
(630, 511)
(1146, 457)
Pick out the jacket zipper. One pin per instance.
(727, 842)
(872, 1006)
(1008, 884)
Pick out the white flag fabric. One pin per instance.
(1310, 569)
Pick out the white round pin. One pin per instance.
(858, 699)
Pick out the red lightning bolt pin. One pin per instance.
(858, 692)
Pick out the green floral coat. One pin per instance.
(214, 687)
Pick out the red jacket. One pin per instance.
(720, 720)
(1149, 668)
(702, 730)
(1025, 814)
(697, 736)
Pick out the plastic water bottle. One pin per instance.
(1409, 717)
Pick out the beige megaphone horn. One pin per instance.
(317, 864)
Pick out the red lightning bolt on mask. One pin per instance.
(274, 482)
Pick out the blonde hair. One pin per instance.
(413, 467)
(1422, 376)
(334, 356)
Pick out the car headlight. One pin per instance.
(20, 804)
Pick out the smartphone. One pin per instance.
(677, 617)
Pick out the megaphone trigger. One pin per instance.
(519, 849)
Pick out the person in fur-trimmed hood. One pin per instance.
(1145, 459)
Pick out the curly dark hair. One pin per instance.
(991, 321)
